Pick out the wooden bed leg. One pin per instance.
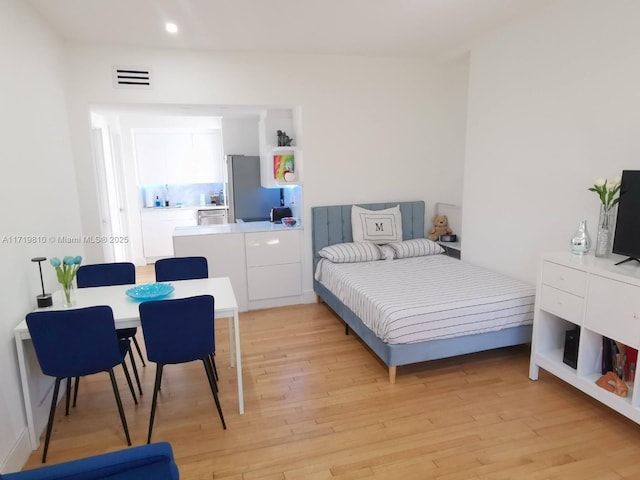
(392, 375)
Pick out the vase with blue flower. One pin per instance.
(66, 272)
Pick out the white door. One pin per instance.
(107, 155)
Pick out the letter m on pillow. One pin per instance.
(377, 226)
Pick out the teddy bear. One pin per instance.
(440, 227)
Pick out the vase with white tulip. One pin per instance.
(608, 191)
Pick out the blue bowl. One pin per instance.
(150, 291)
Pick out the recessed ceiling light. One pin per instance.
(171, 27)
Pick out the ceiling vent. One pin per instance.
(131, 77)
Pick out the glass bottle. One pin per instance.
(580, 242)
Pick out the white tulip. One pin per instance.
(614, 182)
(600, 182)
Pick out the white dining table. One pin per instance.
(126, 314)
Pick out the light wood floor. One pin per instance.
(145, 274)
(319, 406)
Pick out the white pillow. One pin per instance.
(351, 252)
(378, 226)
(418, 247)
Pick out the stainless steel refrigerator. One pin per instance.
(248, 201)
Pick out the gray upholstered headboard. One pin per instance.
(332, 224)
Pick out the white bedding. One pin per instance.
(426, 298)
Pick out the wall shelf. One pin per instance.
(272, 173)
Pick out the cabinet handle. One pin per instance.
(635, 316)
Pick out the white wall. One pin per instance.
(553, 103)
(374, 129)
(38, 194)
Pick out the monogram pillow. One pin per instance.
(377, 226)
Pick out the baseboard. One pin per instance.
(274, 302)
(18, 455)
(309, 296)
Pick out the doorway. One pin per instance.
(107, 153)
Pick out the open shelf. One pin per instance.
(566, 290)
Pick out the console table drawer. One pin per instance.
(564, 278)
(562, 304)
(613, 310)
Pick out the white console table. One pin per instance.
(603, 300)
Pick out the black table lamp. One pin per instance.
(44, 300)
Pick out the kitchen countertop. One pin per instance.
(247, 227)
(190, 207)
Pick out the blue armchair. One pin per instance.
(153, 461)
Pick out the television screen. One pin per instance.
(627, 237)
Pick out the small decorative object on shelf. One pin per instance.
(580, 242)
(66, 272)
(284, 167)
(613, 383)
(607, 190)
(283, 139)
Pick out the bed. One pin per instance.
(489, 310)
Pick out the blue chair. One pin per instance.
(74, 343)
(154, 461)
(118, 273)
(181, 268)
(179, 331)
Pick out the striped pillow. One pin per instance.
(418, 247)
(351, 252)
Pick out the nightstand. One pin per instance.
(451, 249)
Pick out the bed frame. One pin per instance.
(331, 225)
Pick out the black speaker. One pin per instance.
(571, 342)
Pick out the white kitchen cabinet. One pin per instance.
(600, 298)
(273, 264)
(151, 159)
(178, 157)
(225, 256)
(264, 265)
(207, 159)
(158, 225)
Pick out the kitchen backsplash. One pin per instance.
(293, 199)
(188, 195)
